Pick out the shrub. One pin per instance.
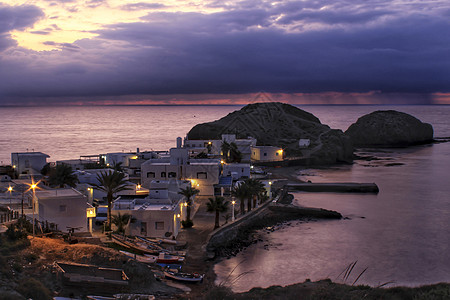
(34, 289)
(187, 223)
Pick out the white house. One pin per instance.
(64, 207)
(159, 214)
(28, 162)
(214, 147)
(236, 170)
(267, 153)
(203, 173)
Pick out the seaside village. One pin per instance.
(151, 195)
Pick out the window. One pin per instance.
(265, 153)
(276, 154)
(172, 174)
(159, 225)
(150, 174)
(62, 208)
(163, 174)
(27, 163)
(202, 175)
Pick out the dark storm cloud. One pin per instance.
(246, 50)
(16, 18)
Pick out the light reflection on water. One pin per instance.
(401, 234)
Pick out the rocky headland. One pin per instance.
(282, 125)
(389, 128)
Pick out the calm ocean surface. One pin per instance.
(401, 235)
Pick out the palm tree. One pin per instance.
(121, 221)
(234, 155)
(62, 175)
(188, 192)
(230, 152)
(240, 191)
(256, 189)
(217, 205)
(225, 148)
(111, 182)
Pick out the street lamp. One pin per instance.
(270, 190)
(10, 189)
(232, 211)
(33, 187)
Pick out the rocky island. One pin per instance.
(389, 129)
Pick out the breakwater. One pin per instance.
(339, 187)
(229, 240)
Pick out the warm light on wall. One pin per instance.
(10, 188)
(90, 212)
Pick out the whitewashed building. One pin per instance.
(203, 173)
(214, 147)
(157, 215)
(28, 162)
(267, 153)
(64, 207)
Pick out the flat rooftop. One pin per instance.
(54, 193)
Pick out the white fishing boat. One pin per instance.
(185, 277)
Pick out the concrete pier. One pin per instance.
(338, 187)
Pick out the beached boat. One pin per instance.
(153, 245)
(166, 241)
(130, 243)
(185, 277)
(165, 258)
(149, 259)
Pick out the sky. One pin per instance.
(224, 52)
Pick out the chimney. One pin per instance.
(178, 142)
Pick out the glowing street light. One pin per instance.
(33, 187)
(232, 211)
(10, 189)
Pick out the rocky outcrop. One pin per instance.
(282, 125)
(389, 129)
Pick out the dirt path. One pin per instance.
(196, 238)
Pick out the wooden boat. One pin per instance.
(153, 245)
(166, 241)
(185, 277)
(165, 258)
(149, 259)
(150, 244)
(130, 243)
